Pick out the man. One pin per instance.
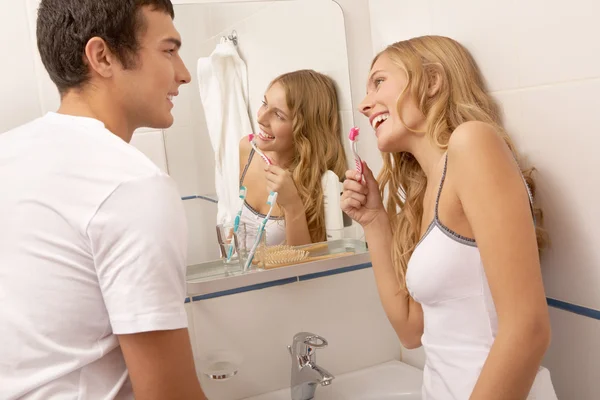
(93, 236)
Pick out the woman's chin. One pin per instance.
(391, 142)
(266, 145)
(384, 145)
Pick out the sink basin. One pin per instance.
(393, 380)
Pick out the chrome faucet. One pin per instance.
(306, 374)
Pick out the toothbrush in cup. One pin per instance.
(271, 200)
(353, 137)
(261, 229)
(238, 217)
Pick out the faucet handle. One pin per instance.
(309, 339)
(315, 341)
(305, 344)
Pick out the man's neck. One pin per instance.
(94, 105)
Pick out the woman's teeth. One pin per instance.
(264, 136)
(378, 120)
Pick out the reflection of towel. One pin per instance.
(223, 82)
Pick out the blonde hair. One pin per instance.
(462, 97)
(312, 99)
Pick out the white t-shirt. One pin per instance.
(93, 243)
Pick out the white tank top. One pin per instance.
(275, 227)
(446, 276)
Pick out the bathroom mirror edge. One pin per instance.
(193, 178)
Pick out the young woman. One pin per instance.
(455, 255)
(300, 131)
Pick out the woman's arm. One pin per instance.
(296, 226)
(362, 202)
(494, 199)
(244, 153)
(405, 314)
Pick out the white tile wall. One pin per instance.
(49, 99)
(191, 328)
(488, 30)
(414, 357)
(360, 52)
(151, 143)
(193, 23)
(484, 27)
(394, 20)
(260, 325)
(19, 97)
(184, 163)
(201, 219)
(556, 129)
(557, 41)
(225, 16)
(574, 356)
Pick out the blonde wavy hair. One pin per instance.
(313, 102)
(462, 97)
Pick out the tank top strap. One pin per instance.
(530, 195)
(246, 167)
(437, 200)
(439, 193)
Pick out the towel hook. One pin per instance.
(233, 37)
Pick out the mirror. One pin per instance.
(271, 38)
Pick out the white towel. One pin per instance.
(223, 83)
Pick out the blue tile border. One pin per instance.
(245, 289)
(334, 272)
(562, 305)
(580, 310)
(278, 282)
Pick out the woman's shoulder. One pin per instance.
(477, 149)
(475, 135)
(474, 140)
(245, 149)
(245, 144)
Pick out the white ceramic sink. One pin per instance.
(393, 380)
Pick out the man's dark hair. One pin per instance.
(65, 26)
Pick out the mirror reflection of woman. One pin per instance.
(300, 131)
(455, 255)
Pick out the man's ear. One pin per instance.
(99, 57)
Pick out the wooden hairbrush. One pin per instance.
(281, 256)
(286, 247)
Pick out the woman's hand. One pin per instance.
(280, 180)
(362, 201)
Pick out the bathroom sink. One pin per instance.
(393, 380)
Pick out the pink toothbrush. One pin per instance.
(256, 149)
(353, 136)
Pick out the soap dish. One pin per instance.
(220, 365)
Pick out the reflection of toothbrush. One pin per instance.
(256, 149)
(261, 229)
(236, 224)
(353, 136)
